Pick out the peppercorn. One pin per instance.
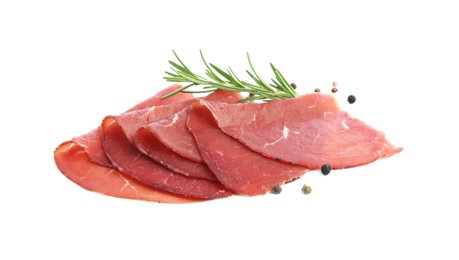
(351, 99)
(306, 189)
(335, 87)
(293, 85)
(317, 90)
(276, 189)
(325, 169)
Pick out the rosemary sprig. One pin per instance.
(227, 80)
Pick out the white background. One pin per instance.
(64, 65)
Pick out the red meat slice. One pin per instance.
(169, 142)
(309, 130)
(171, 133)
(174, 134)
(148, 144)
(74, 162)
(124, 155)
(236, 167)
(132, 121)
(91, 141)
(92, 144)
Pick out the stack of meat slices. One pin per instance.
(185, 149)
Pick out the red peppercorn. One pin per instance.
(334, 89)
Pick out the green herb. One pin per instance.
(227, 80)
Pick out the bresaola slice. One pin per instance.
(92, 144)
(133, 121)
(74, 162)
(83, 161)
(237, 167)
(172, 133)
(125, 156)
(169, 142)
(91, 141)
(148, 144)
(309, 130)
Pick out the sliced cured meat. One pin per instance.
(158, 100)
(74, 162)
(124, 155)
(91, 141)
(92, 144)
(148, 144)
(132, 121)
(174, 134)
(237, 167)
(169, 142)
(309, 130)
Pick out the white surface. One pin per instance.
(64, 66)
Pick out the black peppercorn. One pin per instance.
(325, 169)
(276, 189)
(351, 99)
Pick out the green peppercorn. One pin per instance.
(325, 169)
(276, 189)
(306, 189)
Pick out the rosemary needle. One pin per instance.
(219, 79)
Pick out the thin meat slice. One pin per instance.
(237, 167)
(74, 162)
(92, 144)
(174, 134)
(125, 156)
(309, 130)
(169, 142)
(91, 141)
(132, 121)
(148, 144)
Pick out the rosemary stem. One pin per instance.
(218, 78)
